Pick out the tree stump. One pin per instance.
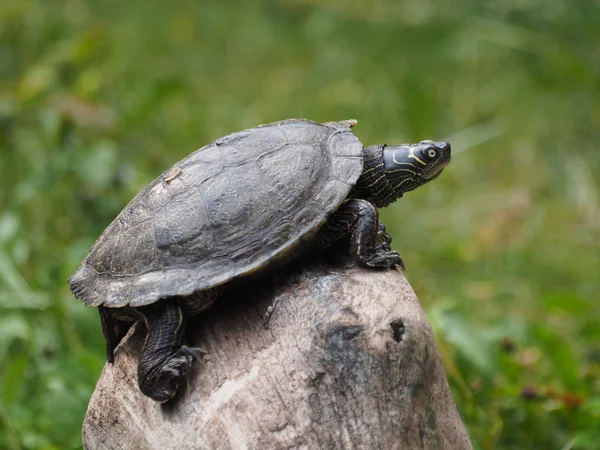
(324, 358)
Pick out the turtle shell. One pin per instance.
(224, 212)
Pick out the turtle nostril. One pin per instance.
(444, 146)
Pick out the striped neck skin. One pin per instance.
(390, 171)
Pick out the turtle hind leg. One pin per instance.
(165, 363)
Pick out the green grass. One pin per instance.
(98, 98)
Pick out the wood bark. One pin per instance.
(323, 358)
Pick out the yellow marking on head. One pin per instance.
(411, 154)
(394, 158)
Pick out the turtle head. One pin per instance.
(409, 166)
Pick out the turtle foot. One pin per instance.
(383, 258)
(163, 382)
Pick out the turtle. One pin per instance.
(241, 207)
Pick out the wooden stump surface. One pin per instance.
(346, 361)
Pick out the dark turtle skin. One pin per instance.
(235, 209)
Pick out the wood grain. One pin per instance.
(347, 361)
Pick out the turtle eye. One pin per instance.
(431, 153)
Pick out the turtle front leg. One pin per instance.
(166, 362)
(369, 242)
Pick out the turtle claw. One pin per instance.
(189, 354)
(193, 353)
(163, 381)
(385, 259)
(384, 246)
(382, 234)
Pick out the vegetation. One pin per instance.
(99, 97)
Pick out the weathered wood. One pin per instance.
(348, 361)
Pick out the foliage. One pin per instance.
(97, 98)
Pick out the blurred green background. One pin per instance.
(99, 97)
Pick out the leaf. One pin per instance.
(10, 275)
(23, 300)
(12, 327)
(9, 224)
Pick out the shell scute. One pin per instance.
(233, 207)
